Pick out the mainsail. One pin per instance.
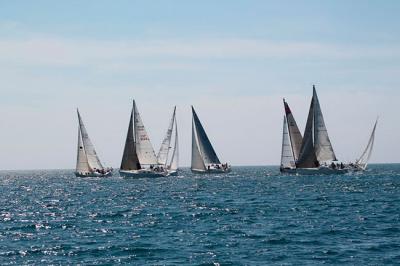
(162, 156)
(82, 165)
(175, 155)
(130, 159)
(144, 149)
(92, 158)
(366, 155)
(323, 147)
(204, 147)
(294, 133)
(287, 159)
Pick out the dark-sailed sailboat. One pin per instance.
(204, 157)
(139, 159)
(316, 154)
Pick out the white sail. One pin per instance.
(206, 149)
(130, 159)
(287, 159)
(197, 160)
(295, 136)
(92, 158)
(323, 147)
(144, 149)
(162, 156)
(82, 165)
(174, 164)
(366, 155)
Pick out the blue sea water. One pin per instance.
(252, 216)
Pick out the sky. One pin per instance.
(233, 61)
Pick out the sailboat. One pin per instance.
(88, 163)
(204, 158)
(139, 159)
(163, 158)
(291, 141)
(362, 162)
(316, 154)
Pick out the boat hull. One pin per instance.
(142, 174)
(212, 171)
(93, 174)
(315, 171)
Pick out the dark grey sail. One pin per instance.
(205, 148)
(323, 147)
(307, 157)
(130, 159)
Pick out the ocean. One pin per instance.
(252, 216)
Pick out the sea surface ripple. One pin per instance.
(252, 216)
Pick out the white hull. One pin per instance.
(94, 174)
(315, 171)
(212, 171)
(142, 173)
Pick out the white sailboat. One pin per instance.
(316, 155)
(170, 163)
(362, 162)
(139, 159)
(88, 163)
(204, 158)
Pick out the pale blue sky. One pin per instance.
(233, 60)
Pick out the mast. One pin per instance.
(130, 159)
(92, 158)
